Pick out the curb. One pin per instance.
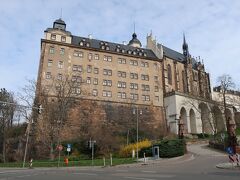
(228, 166)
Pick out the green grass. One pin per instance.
(96, 162)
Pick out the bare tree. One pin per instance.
(226, 83)
(56, 98)
(7, 109)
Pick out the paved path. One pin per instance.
(204, 150)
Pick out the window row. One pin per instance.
(89, 80)
(92, 56)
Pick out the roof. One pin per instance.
(60, 21)
(113, 47)
(176, 55)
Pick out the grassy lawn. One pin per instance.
(84, 162)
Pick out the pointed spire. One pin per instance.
(185, 46)
(161, 51)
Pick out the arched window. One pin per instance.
(169, 74)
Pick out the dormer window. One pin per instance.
(53, 36)
(102, 47)
(134, 53)
(88, 44)
(129, 52)
(63, 39)
(107, 48)
(123, 51)
(81, 43)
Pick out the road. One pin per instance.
(200, 166)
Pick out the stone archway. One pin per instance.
(205, 118)
(193, 123)
(218, 119)
(183, 114)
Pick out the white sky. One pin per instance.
(211, 27)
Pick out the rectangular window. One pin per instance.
(144, 77)
(145, 97)
(90, 56)
(134, 86)
(60, 64)
(107, 58)
(156, 89)
(107, 82)
(155, 78)
(78, 54)
(94, 92)
(50, 62)
(89, 69)
(133, 62)
(77, 68)
(48, 75)
(107, 72)
(107, 93)
(145, 87)
(122, 84)
(157, 98)
(155, 66)
(63, 39)
(51, 50)
(122, 95)
(96, 56)
(133, 96)
(77, 91)
(122, 74)
(77, 79)
(144, 64)
(96, 70)
(95, 81)
(53, 36)
(121, 61)
(59, 76)
(62, 51)
(88, 81)
(133, 75)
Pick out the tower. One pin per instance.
(185, 47)
(59, 24)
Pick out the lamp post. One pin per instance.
(137, 113)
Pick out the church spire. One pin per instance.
(185, 47)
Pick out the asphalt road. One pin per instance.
(202, 166)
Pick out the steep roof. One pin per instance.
(114, 47)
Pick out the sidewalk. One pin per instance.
(160, 161)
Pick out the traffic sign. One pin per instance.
(59, 147)
(68, 149)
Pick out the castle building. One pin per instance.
(164, 84)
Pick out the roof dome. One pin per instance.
(59, 24)
(134, 41)
(59, 21)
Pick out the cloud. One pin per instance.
(211, 29)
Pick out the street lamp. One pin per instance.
(137, 112)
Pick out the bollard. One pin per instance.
(104, 162)
(30, 163)
(110, 159)
(144, 158)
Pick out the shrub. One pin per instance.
(147, 151)
(126, 151)
(172, 148)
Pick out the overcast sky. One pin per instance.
(212, 30)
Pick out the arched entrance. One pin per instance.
(183, 114)
(193, 123)
(205, 119)
(218, 119)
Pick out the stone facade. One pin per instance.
(159, 82)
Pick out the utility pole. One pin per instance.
(26, 146)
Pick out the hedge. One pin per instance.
(171, 148)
